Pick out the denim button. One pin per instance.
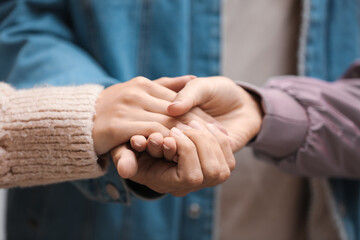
(112, 191)
(194, 210)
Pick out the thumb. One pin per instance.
(125, 161)
(193, 94)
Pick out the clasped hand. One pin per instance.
(169, 134)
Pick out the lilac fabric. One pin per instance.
(311, 127)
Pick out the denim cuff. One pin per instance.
(111, 188)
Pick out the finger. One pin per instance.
(199, 115)
(155, 145)
(176, 83)
(224, 143)
(125, 161)
(188, 117)
(156, 105)
(189, 170)
(161, 176)
(153, 89)
(193, 94)
(146, 128)
(208, 118)
(159, 91)
(138, 143)
(121, 135)
(169, 148)
(203, 115)
(150, 117)
(160, 106)
(209, 152)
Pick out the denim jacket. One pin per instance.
(71, 42)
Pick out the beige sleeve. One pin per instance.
(45, 135)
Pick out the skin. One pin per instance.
(232, 107)
(139, 108)
(136, 107)
(204, 158)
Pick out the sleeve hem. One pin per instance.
(285, 123)
(46, 135)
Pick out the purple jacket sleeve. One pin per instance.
(311, 127)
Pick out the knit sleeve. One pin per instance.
(45, 135)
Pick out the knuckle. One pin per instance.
(232, 164)
(132, 95)
(141, 80)
(223, 141)
(225, 174)
(194, 179)
(212, 171)
(162, 78)
(189, 146)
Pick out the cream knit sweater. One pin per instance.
(45, 135)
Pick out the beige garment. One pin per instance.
(259, 202)
(45, 135)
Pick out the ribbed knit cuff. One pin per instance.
(46, 135)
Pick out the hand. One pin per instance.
(204, 159)
(233, 107)
(126, 109)
(138, 106)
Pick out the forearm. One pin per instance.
(311, 127)
(38, 47)
(46, 135)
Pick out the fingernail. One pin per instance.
(175, 103)
(166, 147)
(195, 124)
(182, 126)
(176, 131)
(137, 144)
(154, 142)
(176, 158)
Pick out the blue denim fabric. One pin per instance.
(71, 42)
(332, 42)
